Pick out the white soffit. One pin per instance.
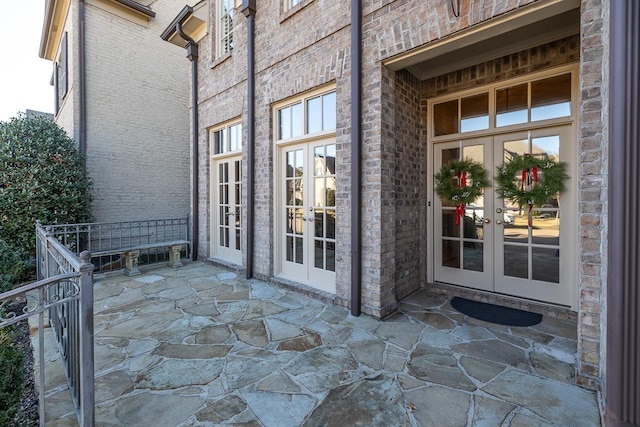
(530, 26)
(195, 26)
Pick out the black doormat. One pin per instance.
(495, 314)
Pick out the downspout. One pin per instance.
(192, 54)
(622, 366)
(82, 87)
(249, 10)
(356, 135)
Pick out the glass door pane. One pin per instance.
(309, 214)
(462, 252)
(294, 206)
(227, 209)
(324, 206)
(532, 251)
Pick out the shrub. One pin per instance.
(42, 177)
(12, 376)
(12, 268)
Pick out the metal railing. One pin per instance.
(64, 291)
(104, 240)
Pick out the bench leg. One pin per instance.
(131, 262)
(174, 256)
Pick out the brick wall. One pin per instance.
(304, 48)
(539, 58)
(390, 28)
(410, 185)
(137, 118)
(296, 51)
(592, 196)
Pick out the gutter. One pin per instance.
(82, 83)
(249, 10)
(192, 55)
(131, 4)
(356, 148)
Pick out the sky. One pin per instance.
(24, 76)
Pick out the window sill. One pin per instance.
(221, 59)
(286, 14)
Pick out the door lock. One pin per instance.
(487, 221)
(498, 222)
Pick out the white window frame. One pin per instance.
(224, 32)
(491, 90)
(279, 193)
(226, 128)
(288, 4)
(302, 99)
(228, 153)
(493, 130)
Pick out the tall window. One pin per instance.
(225, 26)
(61, 79)
(290, 3)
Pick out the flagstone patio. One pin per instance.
(201, 346)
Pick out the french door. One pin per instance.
(307, 213)
(498, 246)
(227, 201)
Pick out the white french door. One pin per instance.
(464, 252)
(227, 208)
(307, 213)
(500, 247)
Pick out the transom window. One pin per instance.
(225, 26)
(227, 139)
(316, 113)
(533, 101)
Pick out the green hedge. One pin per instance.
(12, 268)
(12, 376)
(42, 177)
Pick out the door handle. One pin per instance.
(498, 221)
(487, 221)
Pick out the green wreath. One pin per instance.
(545, 179)
(450, 186)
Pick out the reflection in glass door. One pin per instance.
(227, 229)
(309, 213)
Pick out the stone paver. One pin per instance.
(202, 346)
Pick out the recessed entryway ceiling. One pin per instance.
(531, 26)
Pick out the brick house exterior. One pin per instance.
(130, 118)
(416, 55)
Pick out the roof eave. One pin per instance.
(44, 37)
(136, 7)
(170, 31)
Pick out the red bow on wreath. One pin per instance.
(462, 183)
(526, 178)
